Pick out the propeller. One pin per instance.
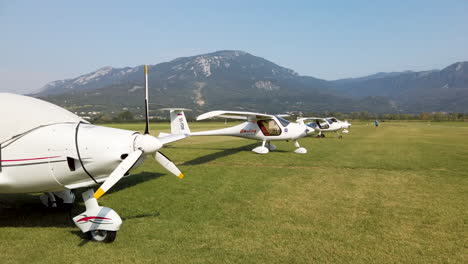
(143, 145)
(168, 164)
(346, 124)
(146, 102)
(118, 173)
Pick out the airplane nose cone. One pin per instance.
(147, 144)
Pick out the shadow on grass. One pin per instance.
(81, 235)
(28, 211)
(220, 154)
(203, 148)
(133, 180)
(25, 210)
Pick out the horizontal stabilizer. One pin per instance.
(162, 134)
(171, 138)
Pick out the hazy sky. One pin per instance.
(42, 41)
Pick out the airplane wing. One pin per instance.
(175, 109)
(234, 115)
(304, 119)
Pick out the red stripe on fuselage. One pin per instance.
(93, 217)
(32, 159)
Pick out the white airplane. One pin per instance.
(257, 126)
(328, 124)
(45, 148)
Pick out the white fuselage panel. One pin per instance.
(22, 113)
(46, 159)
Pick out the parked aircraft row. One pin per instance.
(261, 127)
(47, 149)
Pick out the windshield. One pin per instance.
(283, 122)
(331, 120)
(321, 125)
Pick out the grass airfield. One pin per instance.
(393, 194)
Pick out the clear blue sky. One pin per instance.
(42, 41)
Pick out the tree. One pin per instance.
(124, 116)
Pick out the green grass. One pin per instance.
(395, 194)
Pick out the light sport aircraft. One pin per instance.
(327, 124)
(257, 126)
(45, 148)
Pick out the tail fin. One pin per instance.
(179, 123)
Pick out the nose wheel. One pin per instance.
(105, 236)
(99, 223)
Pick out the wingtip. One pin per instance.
(181, 176)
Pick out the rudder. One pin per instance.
(179, 123)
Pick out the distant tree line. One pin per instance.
(121, 117)
(434, 116)
(128, 117)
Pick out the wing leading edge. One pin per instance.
(248, 116)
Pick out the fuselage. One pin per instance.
(273, 129)
(329, 125)
(51, 157)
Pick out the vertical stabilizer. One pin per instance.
(179, 123)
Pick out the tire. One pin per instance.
(102, 236)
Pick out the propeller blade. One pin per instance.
(118, 173)
(146, 101)
(168, 164)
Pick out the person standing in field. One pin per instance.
(376, 123)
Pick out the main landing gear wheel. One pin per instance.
(102, 235)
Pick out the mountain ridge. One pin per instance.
(237, 79)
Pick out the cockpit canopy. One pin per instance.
(331, 120)
(283, 121)
(270, 127)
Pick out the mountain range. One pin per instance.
(236, 80)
